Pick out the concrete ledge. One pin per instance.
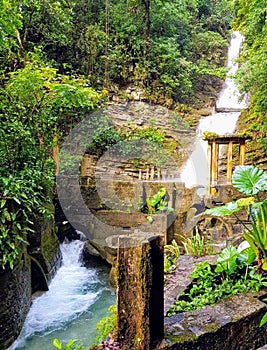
(232, 324)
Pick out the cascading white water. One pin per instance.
(229, 98)
(196, 170)
(66, 310)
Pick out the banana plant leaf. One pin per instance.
(249, 179)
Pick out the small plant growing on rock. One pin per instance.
(106, 324)
(156, 204)
(197, 245)
(171, 255)
(194, 245)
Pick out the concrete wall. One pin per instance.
(31, 273)
(15, 300)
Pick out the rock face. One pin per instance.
(15, 300)
(35, 268)
(44, 247)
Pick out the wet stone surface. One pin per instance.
(231, 324)
(178, 281)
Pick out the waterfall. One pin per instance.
(222, 122)
(68, 309)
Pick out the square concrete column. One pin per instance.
(140, 319)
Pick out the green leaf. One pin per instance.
(70, 343)
(154, 200)
(7, 215)
(246, 256)
(3, 202)
(251, 240)
(17, 200)
(249, 179)
(150, 219)
(245, 202)
(227, 260)
(263, 320)
(57, 344)
(264, 266)
(224, 210)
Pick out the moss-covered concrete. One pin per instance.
(15, 300)
(231, 324)
(44, 245)
(140, 292)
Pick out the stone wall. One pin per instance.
(15, 300)
(35, 268)
(44, 246)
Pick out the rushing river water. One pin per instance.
(77, 299)
(196, 170)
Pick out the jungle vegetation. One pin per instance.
(250, 18)
(60, 60)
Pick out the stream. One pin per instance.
(77, 299)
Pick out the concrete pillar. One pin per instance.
(214, 167)
(230, 162)
(210, 161)
(242, 150)
(140, 320)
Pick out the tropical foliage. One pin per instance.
(171, 255)
(251, 181)
(36, 103)
(107, 324)
(72, 344)
(164, 47)
(250, 19)
(232, 273)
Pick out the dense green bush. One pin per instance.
(36, 103)
(250, 20)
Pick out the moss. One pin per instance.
(134, 328)
(209, 135)
(212, 327)
(181, 338)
